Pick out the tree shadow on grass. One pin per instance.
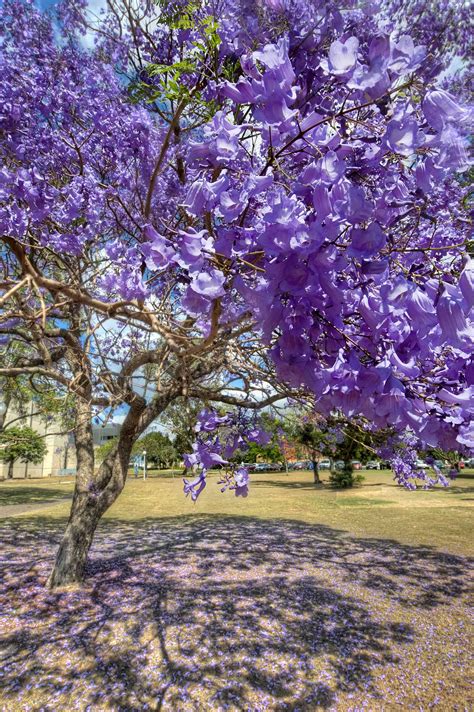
(293, 484)
(11, 495)
(287, 484)
(201, 612)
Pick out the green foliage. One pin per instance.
(105, 449)
(346, 477)
(180, 419)
(172, 84)
(23, 444)
(261, 453)
(159, 449)
(308, 435)
(43, 400)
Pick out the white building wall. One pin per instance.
(60, 454)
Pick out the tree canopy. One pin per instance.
(237, 202)
(21, 443)
(159, 449)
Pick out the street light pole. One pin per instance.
(144, 464)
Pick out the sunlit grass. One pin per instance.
(440, 517)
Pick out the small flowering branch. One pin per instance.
(236, 430)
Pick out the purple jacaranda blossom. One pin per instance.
(373, 78)
(158, 250)
(204, 195)
(465, 397)
(331, 167)
(466, 434)
(353, 204)
(342, 57)
(374, 267)
(271, 92)
(402, 136)
(428, 174)
(195, 304)
(205, 454)
(406, 57)
(241, 477)
(466, 283)
(452, 319)
(452, 146)
(421, 308)
(196, 486)
(209, 420)
(284, 223)
(276, 5)
(209, 284)
(194, 246)
(366, 242)
(321, 201)
(441, 108)
(220, 142)
(259, 436)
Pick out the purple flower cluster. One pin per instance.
(310, 185)
(235, 431)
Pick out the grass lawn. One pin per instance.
(295, 598)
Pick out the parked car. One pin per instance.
(373, 465)
(339, 464)
(420, 465)
(356, 464)
(303, 465)
(263, 467)
(325, 465)
(439, 464)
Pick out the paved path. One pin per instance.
(11, 510)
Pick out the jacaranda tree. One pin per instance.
(202, 199)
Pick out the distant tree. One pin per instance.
(159, 449)
(348, 447)
(180, 419)
(267, 453)
(338, 439)
(105, 449)
(21, 444)
(355, 443)
(314, 440)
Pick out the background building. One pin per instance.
(61, 456)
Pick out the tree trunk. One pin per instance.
(88, 505)
(96, 491)
(10, 470)
(93, 495)
(317, 481)
(72, 555)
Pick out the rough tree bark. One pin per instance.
(94, 491)
(315, 464)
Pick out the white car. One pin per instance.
(420, 465)
(325, 465)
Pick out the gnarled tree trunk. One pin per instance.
(72, 555)
(95, 492)
(93, 495)
(317, 481)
